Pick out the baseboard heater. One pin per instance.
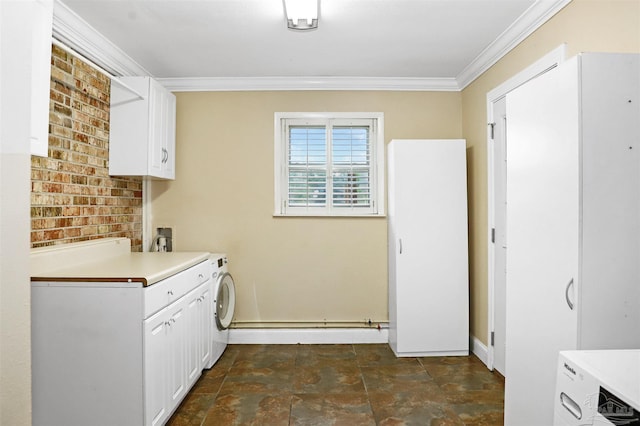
(309, 333)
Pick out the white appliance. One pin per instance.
(428, 252)
(573, 223)
(224, 300)
(597, 388)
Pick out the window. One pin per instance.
(329, 164)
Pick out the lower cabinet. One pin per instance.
(177, 346)
(93, 343)
(165, 353)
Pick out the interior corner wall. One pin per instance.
(287, 270)
(585, 26)
(17, 24)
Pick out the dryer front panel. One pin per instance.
(225, 301)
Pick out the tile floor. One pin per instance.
(341, 385)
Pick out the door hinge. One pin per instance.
(493, 235)
(493, 125)
(493, 338)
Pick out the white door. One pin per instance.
(496, 105)
(543, 239)
(155, 371)
(157, 113)
(193, 337)
(177, 332)
(500, 234)
(206, 324)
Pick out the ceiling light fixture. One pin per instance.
(302, 15)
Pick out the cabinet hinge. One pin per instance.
(493, 338)
(493, 125)
(493, 235)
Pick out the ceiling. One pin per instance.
(398, 39)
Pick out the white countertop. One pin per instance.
(108, 261)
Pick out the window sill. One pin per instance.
(343, 216)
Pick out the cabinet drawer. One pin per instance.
(199, 274)
(162, 293)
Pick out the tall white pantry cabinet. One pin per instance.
(428, 248)
(573, 223)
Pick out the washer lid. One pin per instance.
(225, 301)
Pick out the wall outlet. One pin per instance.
(165, 240)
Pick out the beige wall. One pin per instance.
(585, 26)
(286, 269)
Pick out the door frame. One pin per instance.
(542, 65)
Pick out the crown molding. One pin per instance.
(539, 13)
(307, 83)
(77, 34)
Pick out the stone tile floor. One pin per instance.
(341, 385)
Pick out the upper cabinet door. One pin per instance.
(29, 25)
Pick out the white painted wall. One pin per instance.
(18, 25)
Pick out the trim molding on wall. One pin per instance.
(308, 83)
(294, 336)
(76, 33)
(542, 65)
(479, 349)
(539, 13)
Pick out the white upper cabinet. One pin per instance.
(142, 137)
(41, 77)
(25, 29)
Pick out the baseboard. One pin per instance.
(294, 336)
(479, 349)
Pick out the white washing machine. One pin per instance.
(224, 300)
(598, 387)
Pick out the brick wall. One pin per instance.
(73, 198)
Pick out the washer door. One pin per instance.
(225, 301)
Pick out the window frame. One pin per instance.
(282, 122)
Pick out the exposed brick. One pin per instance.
(72, 232)
(89, 230)
(73, 197)
(37, 236)
(53, 234)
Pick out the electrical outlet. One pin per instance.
(167, 234)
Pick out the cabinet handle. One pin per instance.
(173, 320)
(200, 276)
(400, 241)
(167, 323)
(566, 294)
(170, 292)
